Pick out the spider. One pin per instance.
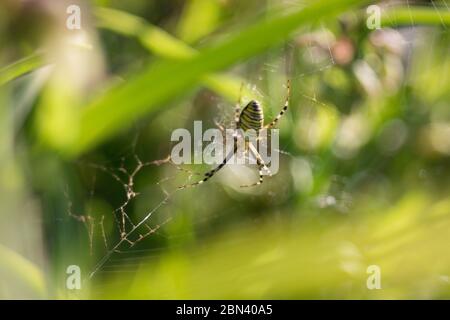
(251, 117)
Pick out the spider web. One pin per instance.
(120, 251)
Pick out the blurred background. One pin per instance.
(90, 92)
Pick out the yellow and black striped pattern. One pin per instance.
(252, 117)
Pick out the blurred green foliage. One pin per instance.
(364, 162)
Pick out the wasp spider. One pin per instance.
(251, 117)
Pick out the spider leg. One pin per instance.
(258, 157)
(211, 173)
(261, 166)
(237, 109)
(285, 107)
(218, 125)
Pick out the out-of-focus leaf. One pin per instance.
(161, 43)
(20, 68)
(415, 16)
(199, 18)
(13, 264)
(153, 38)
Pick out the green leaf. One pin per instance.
(21, 67)
(415, 16)
(163, 44)
(13, 264)
(153, 38)
(199, 18)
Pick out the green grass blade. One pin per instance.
(163, 44)
(199, 18)
(20, 68)
(13, 264)
(415, 16)
(153, 38)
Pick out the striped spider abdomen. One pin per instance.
(252, 117)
